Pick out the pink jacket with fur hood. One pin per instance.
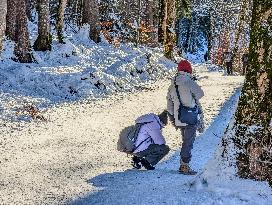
(150, 130)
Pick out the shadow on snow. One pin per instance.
(161, 185)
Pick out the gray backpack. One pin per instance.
(128, 137)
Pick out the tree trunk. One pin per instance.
(22, 48)
(60, 20)
(162, 5)
(150, 12)
(253, 128)
(209, 36)
(44, 40)
(91, 17)
(3, 11)
(86, 11)
(169, 29)
(138, 32)
(239, 32)
(11, 19)
(240, 23)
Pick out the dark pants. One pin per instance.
(229, 68)
(188, 137)
(154, 153)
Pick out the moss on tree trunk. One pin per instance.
(253, 131)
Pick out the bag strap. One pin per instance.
(176, 86)
(143, 140)
(141, 143)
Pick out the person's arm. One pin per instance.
(172, 120)
(170, 104)
(196, 90)
(170, 108)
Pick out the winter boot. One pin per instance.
(185, 169)
(136, 162)
(146, 164)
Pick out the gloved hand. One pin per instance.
(200, 125)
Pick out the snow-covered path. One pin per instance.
(163, 185)
(74, 154)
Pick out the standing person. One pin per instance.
(228, 58)
(189, 93)
(245, 62)
(150, 143)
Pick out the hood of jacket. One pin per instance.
(183, 78)
(150, 117)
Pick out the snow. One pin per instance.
(219, 177)
(77, 70)
(71, 158)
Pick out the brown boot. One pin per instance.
(185, 169)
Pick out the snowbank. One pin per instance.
(76, 70)
(219, 177)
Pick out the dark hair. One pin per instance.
(163, 117)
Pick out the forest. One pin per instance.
(183, 26)
(66, 64)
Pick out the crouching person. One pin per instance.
(149, 145)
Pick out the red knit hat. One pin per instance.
(185, 66)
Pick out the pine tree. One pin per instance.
(22, 48)
(184, 8)
(91, 17)
(253, 127)
(60, 20)
(44, 39)
(3, 11)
